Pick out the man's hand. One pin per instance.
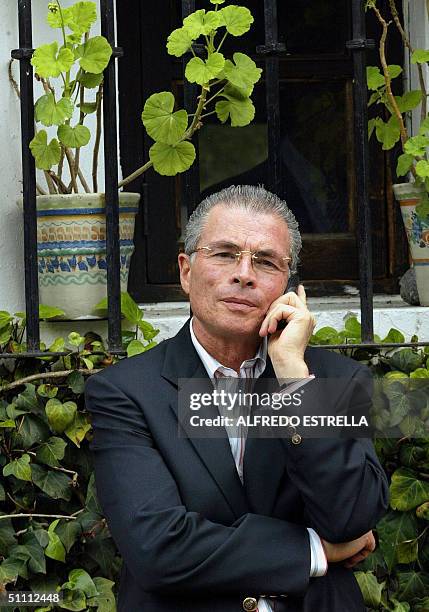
(352, 552)
(286, 347)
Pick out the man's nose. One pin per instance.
(244, 272)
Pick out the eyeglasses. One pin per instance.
(227, 255)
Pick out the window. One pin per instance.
(313, 150)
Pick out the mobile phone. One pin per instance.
(292, 285)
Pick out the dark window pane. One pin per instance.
(313, 26)
(315, 149)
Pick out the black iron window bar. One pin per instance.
(271, 52)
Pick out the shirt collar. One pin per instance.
(258, 362)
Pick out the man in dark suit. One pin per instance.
(225, 524)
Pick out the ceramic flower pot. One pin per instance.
(71, 247)
(408, 196)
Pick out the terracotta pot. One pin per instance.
(408, 196)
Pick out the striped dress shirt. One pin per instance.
(230, 381)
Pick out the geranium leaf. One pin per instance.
(82, 16)
(201, 72)
(243, 73)
(49, 62)
(200, 22)
(56, 16)
(91, 81)
(240, 110)
(420, 56)
(179, 42)
(95, 54)
(374, 78)
(74, 137)
(46, 155)
(169, 160)
(236, 19)
(161, 123)
(405, 161)
(49, 112)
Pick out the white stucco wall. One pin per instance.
(389, 312)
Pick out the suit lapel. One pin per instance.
(182, 361)
(264, 462)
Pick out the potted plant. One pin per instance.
(413, 162)
(71, 218)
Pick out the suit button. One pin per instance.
(250, 604)
(296, 438)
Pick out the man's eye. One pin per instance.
(224, 255)
(267, 263)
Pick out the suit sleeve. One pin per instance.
(344, 487)
(166, 547)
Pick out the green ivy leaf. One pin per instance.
(37, 560)
(55, 484)
(104, 601)
(76, 382)
(51, 451)
(77, 430)
(48, 312)
(49, 62)
(407, 551)
(169, 160)
(130, 309)
(55, 549)
(201, 23)
(422, 512)
(74, 600)
(243, 73)
(80, 579)
(405, 161)
(20, 468)
(69, 532)
(406, 491)
(74, 137)
(409, 100)
(201, 72)
(179, 42)
(374, 78)
(420, 56)
(161, 123)
(236, 19)
(412, 584)
(46, 155)
(91, 81)
(370, 587)
(82, 16)
(94, 55)
(240, 111)
(76, 339)
(135, 347)
(50, 112)
(392, 529)
(60, 415)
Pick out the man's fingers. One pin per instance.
(279, 312)
(301, 294)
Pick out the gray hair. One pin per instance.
(255, 199)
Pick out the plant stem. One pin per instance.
(40, 191)
(132, 177)
(195, 125)
(31, 514)
(70, 160)
(61, 163)
(208, 114)
(391, 97)
(99, 99)
(223, 40)
(407, 43)
(61, 186)
(50, 182)
(46, 375)
(215, 95)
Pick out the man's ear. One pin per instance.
(185, 271)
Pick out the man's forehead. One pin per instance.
(234, 224)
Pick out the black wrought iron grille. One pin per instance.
(270, 52)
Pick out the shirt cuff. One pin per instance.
(319, 563)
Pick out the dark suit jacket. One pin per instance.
(191, 536)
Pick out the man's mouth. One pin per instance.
(239, 303)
